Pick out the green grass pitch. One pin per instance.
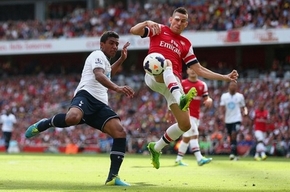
(65, 173)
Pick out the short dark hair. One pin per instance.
(105, 36)
(181, 10)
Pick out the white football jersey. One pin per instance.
(88, 82)
(233, 104)
(7, 122)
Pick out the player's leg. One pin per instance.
(172, 84)
(175, 130)
(79, 106)
(194, 145)
(183, 146)
(61, 120)
(260, 147)
(171, 134)
(114, 128)
(7, 137)
(233, 140)
(107, 121)
(231, 135)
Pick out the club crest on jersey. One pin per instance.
(98, 61)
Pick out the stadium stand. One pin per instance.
(208, 15)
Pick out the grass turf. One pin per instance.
(57, 172)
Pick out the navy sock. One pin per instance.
(116, 156)
(234, 147)
(56, 121)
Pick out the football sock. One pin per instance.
(234, 147)
(171, 134)
(256, 154)
(181, 150)
(6, 144)
(117, 155)
(171, 83)
(56, 121)
(263, 154)
(195, 149)
(260, 147)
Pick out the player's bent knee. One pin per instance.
(184, 126)
(73, 118)
(114, 128)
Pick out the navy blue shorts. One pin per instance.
(96, 113)
(233, 127)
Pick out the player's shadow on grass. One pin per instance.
(151, 166)
(143, 184)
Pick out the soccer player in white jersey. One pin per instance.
(190, 137)
(177, 51)
(8, 121)
(233, 107)
(90, 102)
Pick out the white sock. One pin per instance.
(256, 154)
(181, 150)
(171, 134)
(260, 147)
(171, 83)
(195, 148)
(263, 154)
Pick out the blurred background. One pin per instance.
(43, 45)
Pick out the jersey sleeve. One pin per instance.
(148, 32)
(222, 102)
(97, 61)
(14, 119)
(242, 103)
(190, 58)
(205, 90)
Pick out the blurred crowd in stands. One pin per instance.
(146, 115)
(205, 15)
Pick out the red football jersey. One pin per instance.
(202, 90)
(174, 47)
(260, 120)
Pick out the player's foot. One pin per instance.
(236, 158)
(117, 181)
(257, 158)
(264, 157)
(186, 99)
(32, 130)
(180, 163)
(154, 155)
(232, 157)
(204, 160)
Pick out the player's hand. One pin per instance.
(124, 52)
(208, 103)
(128, 91)
(233, 76)
(154, 27)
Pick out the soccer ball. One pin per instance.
(154, 64)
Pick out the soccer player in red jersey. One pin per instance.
(177, 50)
(190, 138)
(261, 119)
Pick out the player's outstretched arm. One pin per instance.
(106, 82)
(139, 29)
(123, 57)
(208, 74)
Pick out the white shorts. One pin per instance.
(260, 135)
(162, 88)
(194, 127)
